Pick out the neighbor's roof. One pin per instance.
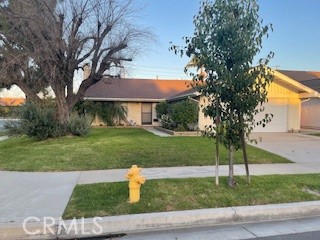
(128, 89)
(11, 102)
(309, 79)
(191, 92)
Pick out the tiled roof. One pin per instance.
(309, 79)
(11, 102)
(128, 88)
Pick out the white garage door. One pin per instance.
(279, 122)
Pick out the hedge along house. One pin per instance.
(284, 102)
(138, 96)
(310, 107)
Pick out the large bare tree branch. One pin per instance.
(56, 38)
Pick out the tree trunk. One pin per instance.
(245, 156)
(217, 161)
(231, 180)
(244, 149)
(217, 142)
(63, 108)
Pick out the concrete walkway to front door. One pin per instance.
(156, 132)
(297, 147)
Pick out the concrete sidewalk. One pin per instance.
(47, 194)
(117, 175)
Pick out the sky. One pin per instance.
(295, 39)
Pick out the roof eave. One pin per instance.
(184, 96)
(124, 99)
(314, 94)
(293, 83)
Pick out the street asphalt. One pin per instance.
(46, 194)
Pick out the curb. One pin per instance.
(125, 224)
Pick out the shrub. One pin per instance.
(166, 122)
(184, 114)
(163, 108)
(37, 121)
(13, 127)
(79, 125)
(111, 113)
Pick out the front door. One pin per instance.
(146, 113)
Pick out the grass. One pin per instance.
(3, 133)
(109, 148)
(315, 134)
(109, 199)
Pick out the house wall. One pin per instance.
(310, 113)
(284, 103)
(134, 110)
(203, 120)
(294, 114)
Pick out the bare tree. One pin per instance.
(45, 42)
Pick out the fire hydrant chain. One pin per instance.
(135, 181)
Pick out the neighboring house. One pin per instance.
(310, 107)
(11, 102)
(138, 96)
(284, 102)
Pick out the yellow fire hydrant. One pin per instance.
(135, 181)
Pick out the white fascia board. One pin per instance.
(123, 99)
(310, 95)
(195, 94)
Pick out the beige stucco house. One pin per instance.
(293, 99)
(285, 96)
(138, 96)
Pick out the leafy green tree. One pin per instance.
(227, 37)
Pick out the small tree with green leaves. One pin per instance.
(228, 35)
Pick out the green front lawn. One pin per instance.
(107, 199)
(108, 148)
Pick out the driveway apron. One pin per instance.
(37, 195)
(299, 148)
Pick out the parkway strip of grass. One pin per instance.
(108, 199)
(110, 148)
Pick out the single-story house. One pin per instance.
(138, 96)
(285, 95)
(310, 104)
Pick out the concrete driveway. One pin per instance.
(297, 147)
